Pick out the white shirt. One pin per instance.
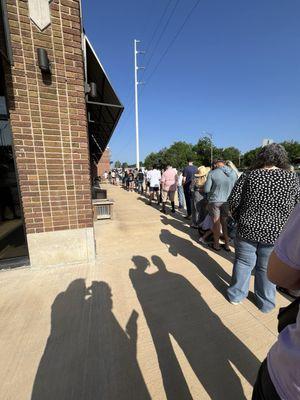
(154, 178)
(179, 182)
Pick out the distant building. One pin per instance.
(265, 142)
(104, 163)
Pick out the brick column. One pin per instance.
(49, 128)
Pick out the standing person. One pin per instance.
(188, 175)
(131, 180)
(261, 203)
(105, 176)
(155, 177)
(113, 177)
(218, 187)
(169, 187)
(140, 180)
(279, 375)
(148, 174)
(180, 190)
(198, 197)
(126, 179)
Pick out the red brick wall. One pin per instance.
(104, 163)
(48, 119)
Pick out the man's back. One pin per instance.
(155, 177)
(219, 184)
(169, 179)
(188, 173)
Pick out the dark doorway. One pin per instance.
(13, 246)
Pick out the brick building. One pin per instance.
(104, 163)
(58, 111)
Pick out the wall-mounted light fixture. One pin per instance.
(91, 89)
(43, 60)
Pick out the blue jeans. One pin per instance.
(248, 256)
(140, 187)
(188, 200)
(180, 196)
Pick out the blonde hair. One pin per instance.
(231, 165)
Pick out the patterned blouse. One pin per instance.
(262, 201)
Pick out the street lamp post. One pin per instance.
(211, 146)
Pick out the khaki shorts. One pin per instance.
(217, 210)
(167, 194)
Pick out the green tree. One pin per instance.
(250, 156)
(178, 154)
(151, 160)
(118, 164)
(232, 154)
(203, 151)
(293, 149)
(125, 165)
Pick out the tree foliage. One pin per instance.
(179, 152)
(293, 149)
(250, 156)
(118, 164)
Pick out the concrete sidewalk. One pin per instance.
(148, 321)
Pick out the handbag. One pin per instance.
(288, 315)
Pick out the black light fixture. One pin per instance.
(43, 60)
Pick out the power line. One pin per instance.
(158, 25)
(173, 40)
(162, 33)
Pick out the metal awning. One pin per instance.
(104, 108)
(5, 44)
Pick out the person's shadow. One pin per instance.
(193, 233)
(213, 271)
(173, 307)
(88, 355)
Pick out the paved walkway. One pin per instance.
(148, 321)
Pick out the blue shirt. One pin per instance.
(219, 184)
(188, 173)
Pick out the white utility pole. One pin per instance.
(136, 83)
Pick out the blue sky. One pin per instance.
(234, 70)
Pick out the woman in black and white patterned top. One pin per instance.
(261, 202)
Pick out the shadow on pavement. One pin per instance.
(180, 225)
(173, 307)
(213, 271)
(88, 355)
(178, 222)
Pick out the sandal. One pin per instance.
(211, 245)
(226, 248)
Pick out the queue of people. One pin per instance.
(263, 206)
